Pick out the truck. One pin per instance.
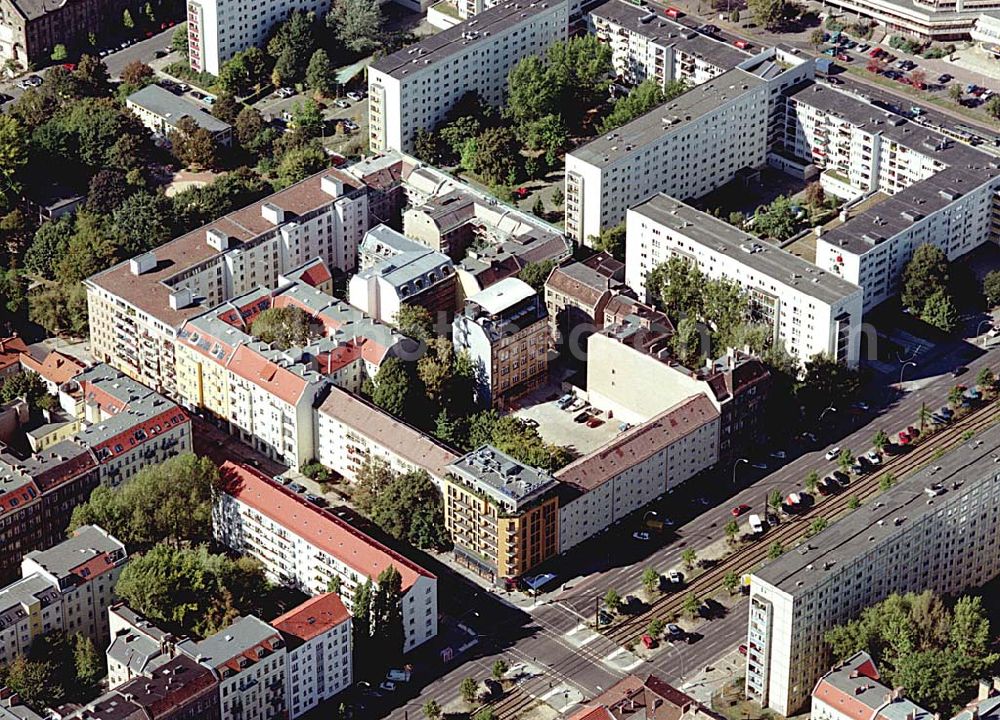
(756, 525)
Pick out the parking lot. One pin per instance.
(579, 426)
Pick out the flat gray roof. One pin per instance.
(767, 259)
(669, 33)
(967, 168)
(658, 122)
(172, 108)
(973, 463)
(495, 21)
(86, 544)
(501, 476)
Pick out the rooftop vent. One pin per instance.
(216, 239)
(332, 186)
(272, 213)
(142, 263)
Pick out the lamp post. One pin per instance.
(831, 408)
(903, 369)
(979, 327)
(736, 464)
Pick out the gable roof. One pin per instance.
(312, 618)
(57, 367)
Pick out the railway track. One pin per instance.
(512, 704)
(790, 531)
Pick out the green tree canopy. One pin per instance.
(283, 327)
(611, 241)
(776, 220)
(925, 274)
(357, 24)
(768, 13)
(640, 100)
(408, 506)
(320, 75)
(536, 273)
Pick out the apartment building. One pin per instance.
(408, 274)
(30, 30)
(11, 707)
(250, 660)
(503, 516)
(66, 588)
(935, 530)
(685, 148)
(636, 467)
(305, 547)
(55, 368)
(576, 296)
(647, 45)
(161, 111)
(37, 497)
(911, 186)
(317, 637)
(414, 88)
(12, 349)
(922, 19)
(351, 432)
(504, 330)
(137, 646)
(136, 308)
(810, 310)
(852, 691)
(651, 699)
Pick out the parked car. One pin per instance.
(779, 454)
(824, 487)
(387, 685)
(604, 617)
(398, 675)
(739, 510)
(281, 479)
(295, 487)
(743, 649)
(960, 370)
(356, 96)
(640, 535)
(648, 641)
(675, 577)
(873, 457)
(944, 78)
(342, 103)
(842, 478)
(832, 453)
(861, 405)
(675, 631)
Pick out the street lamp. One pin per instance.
(831, 408)
(979, 327)
(910, 362)
(736, 464)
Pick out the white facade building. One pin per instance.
(302, 546)
(811, 311)
(319, 664)
(67, 588)
(936, 530)
(137, 307)
(648, 45)
(637, 467)
(414, 88)
(920, 187)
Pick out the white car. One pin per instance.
(640, 535)
(342, 104)
(675, 577)
(874, 458)
(832, 453)
(356, 96)
(387, 685)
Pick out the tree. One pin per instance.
(956, 396)
(815, 195)
(775, 498)
(986, 380)
(436, 367)
(853, 502)
(179, 40)
(536, 273)
(845, 459)
(880, 441)
(499, 669)
(244, 72)
(137, 74)
(432, 711)
(92, 74)
(641, 99)
(291, 46)
(612, 600)
(558, 198)
(690, 605)
(768, 13)
(650, 580)
(427, 146)
(141, 222)
(59, 53)
(192, 145)
(226, 108)
(299, 163)
(955, 92)
(776, 220)
(775, 550)
(886, 482)
(493, 156)
(407, 506)
(361, 611)
(688, 557)
(356, 23)
(34, 681)
(307, 119)
(991, 287)
(391, 387)
(284, 327)
(731, 581)
(611, 241)
(27, 385)
(127, 21)
(812, 480)
(676, 287)
(469, 690)
(939, 311)
(13, 157)
(817, 37)
(320, 75)
(924, 416)
(827, 383)
(249, 125)
(487, 713)
(925, 274)
(817, 526)
(414, 321)
(656, 627)
(190, 588)
(89, 664)
(387, 616)
(169, 502)
(732, 530)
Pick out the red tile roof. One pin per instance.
(57, 367)
(316, 275)
(592, 712)
(364, 554)
(151, 428)
(18, 499)
(281, 382)
(314, 617)
(11, 350)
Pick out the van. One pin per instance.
(397, 675)
(756, 526)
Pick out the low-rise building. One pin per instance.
(504, 330)
(650, 699)
(809, 310)
(12, 349)
(351, 432)
(646, 45)
(305, 547)
(66, 588)
(852, 691)
(414, 88)
(636, 467)
(503, 516)
(55, 368)
(161, 111)
(408, 274)
(317, 637)
(935, 530)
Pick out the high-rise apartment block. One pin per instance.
(414, 88)
(808, 310)
(935, 530)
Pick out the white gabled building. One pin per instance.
(414, 88)
(810, 311)
(305, 547)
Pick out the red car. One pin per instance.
(743, 649)
(521, 193)
(904, 437)
(69, 66)
(912, 431)
(843, 57)
(739, 510)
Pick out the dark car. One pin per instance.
(842, 478)
(960, 370)
(945, 78)
(295, 487)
